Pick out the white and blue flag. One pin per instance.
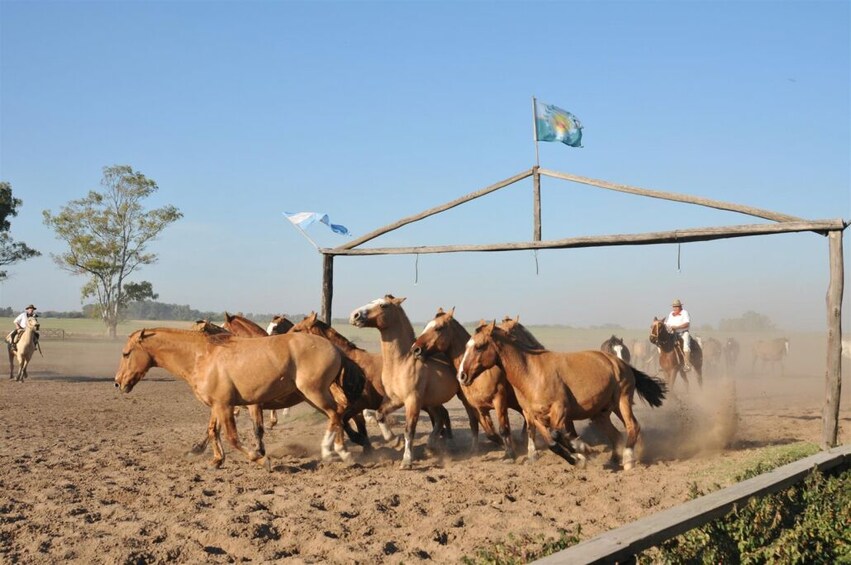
(303, 220)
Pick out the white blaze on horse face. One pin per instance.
(270, 327)
(429, 326)
(618, 349)
(467, 348)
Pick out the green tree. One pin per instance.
(750, 321)
(108, 234)
(11, 251)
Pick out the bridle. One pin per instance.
(659, 337)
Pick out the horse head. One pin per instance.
(310, 324)
(279, 325)
(481, 352)
(377, 314)
(135, 362)
(436, 337)
(659, 334)
(520, 334)
(207, 327)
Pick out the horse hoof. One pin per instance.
(531, 459)
(581, 461)
(216, 463)
(265, 463)
(406, 465)
(628, 465)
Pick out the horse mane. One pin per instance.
(333, 335)
(214, 339)
(520, 336)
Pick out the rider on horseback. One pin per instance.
(20, 326)
(678, 322)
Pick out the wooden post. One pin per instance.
(833, 373)
(327, 286)
(536, 182)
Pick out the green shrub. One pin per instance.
(807, 523)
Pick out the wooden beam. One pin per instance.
(327, 287)
(435, 210)
(717, 204)
(677, 236)
(833, 372)
(622, 544)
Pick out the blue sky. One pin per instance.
(372, 111)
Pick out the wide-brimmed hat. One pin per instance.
(677, 302)
(30, 306)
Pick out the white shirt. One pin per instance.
(673, 320)
(21, 320)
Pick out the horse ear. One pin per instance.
(452, 312)
(312, 316)
(492, 325)
(439, 311)
(141, 335)
(228, 317)
(399, 300)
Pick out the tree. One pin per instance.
(750, 321)
(10, 250)
(107, 235)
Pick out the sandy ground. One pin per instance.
(90, 475)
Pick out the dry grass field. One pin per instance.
(90, 475)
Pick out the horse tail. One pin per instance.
(651, 389)
(351, 379)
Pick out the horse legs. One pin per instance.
(439, 416)
(412, 414)
(213, 434)
(225, 416)
(388, 405)
(500, 405)
(324, 401)
(11, 361)
(273, 418)
(256, 414)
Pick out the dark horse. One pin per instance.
(671, 353)
(616, 347)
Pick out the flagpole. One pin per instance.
(535, 129)
(304, 233)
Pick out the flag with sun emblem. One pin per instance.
(554, 124)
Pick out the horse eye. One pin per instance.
(125, 354)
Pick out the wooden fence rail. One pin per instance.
(623, 544)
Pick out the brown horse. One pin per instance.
(279, 325)
(712, 353)
(616, 347)
(770, 354)
(671, 354)
(407, 381)
(491, 391)
(554, 388)
(243, 327)
(370, 364)
(226, 371)
(731, 354)
(24, 350)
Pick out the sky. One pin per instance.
(375, 111)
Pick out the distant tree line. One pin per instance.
(750, 321)
(152, 310)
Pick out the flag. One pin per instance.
(554, 124)
(304, 219)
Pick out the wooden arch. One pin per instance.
(783, 223)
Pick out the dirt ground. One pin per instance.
(91, 475)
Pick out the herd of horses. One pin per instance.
(500, 367)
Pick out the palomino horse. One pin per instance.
(731, 354)
(24, 350)
(226, 371)
(491, 391)
(243, 327)
(407, 381)
(370, 364)
(645, 355)
(616, 347)
(671, 354)
(712, 352)
(554, 388)
(770, 354)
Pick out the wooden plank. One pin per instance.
(717, 204)
(677, 236)
(623, 543)
(435, 210)
(833, 372)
